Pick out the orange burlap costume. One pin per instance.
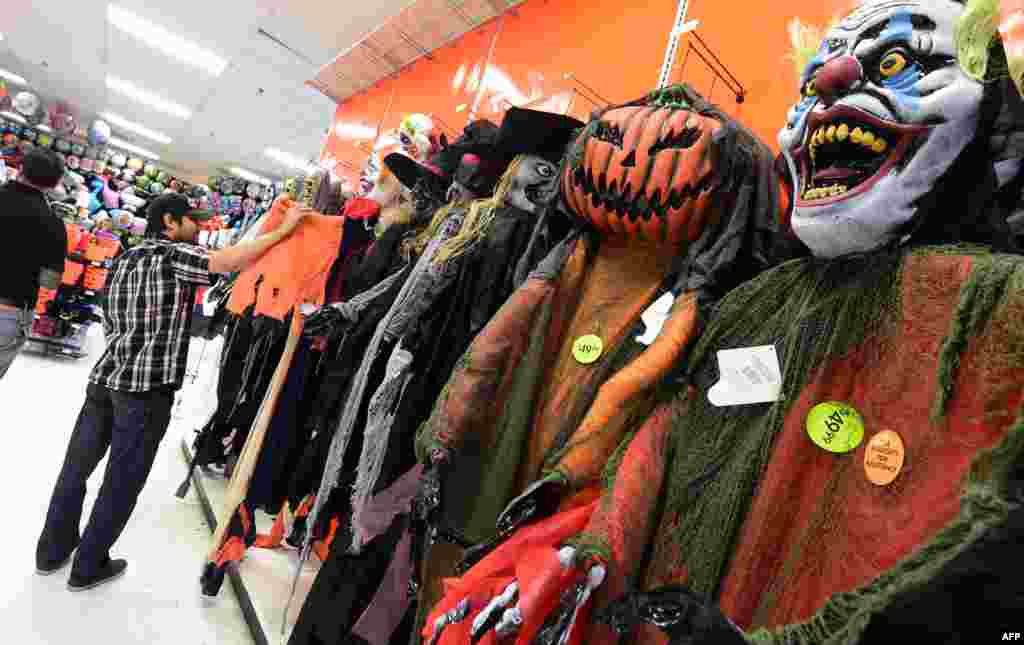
(293, 272)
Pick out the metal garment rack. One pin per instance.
(699, 49)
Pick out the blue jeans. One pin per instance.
(14, 328)
(131, 426)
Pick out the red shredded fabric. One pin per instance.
(526, 557)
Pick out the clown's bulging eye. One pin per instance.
(677, 141)
(892, 64)
(546, 171)
(609, 133)
(810, 88)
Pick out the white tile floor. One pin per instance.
(158, 601)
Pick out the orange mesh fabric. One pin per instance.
(293, 272)
(620, 282)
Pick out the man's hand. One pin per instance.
(296, 213)
(241, 255)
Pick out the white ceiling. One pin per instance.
(66, 49)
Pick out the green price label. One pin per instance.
(587, 349)
(836, 427)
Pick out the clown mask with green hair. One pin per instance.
(895, 99)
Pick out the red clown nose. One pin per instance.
(837, 77)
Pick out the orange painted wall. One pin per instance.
(614, 47)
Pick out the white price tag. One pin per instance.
(654, 318)
(748, 375)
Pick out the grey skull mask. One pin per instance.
(535, 184)
(885, 110)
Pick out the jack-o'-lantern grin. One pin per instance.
(635, 204)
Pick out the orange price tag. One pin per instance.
(884, 458)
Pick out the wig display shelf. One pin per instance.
(72, 345)
(54, 347)
(262, 582)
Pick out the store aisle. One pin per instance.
(158, 601)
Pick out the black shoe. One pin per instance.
(50, 568)
(298, 535)
(212, 579)
(113, 570)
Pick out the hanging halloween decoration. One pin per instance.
(62, 118)
(99, 133)
(416, 136)
(370, 173)
(26, 104)
(584, 409)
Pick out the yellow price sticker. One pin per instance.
(587, 349)
(835, 427)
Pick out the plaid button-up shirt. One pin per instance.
(147, 310)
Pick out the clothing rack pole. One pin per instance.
(673, 43)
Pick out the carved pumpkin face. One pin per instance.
(645, 170)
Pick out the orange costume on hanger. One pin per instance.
(293, 272)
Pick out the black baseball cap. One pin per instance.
(174, 204)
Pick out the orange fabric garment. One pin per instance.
(293, 272)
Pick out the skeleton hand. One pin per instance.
(507, 613)
(325, 321)
(678, 612)
(429, 497)
(538, 501)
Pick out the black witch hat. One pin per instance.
(537, 133)
(523, 132)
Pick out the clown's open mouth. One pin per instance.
(846, 151)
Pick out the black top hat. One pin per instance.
(532, 132)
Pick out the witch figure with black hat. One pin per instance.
(349, 323)
(460, 280)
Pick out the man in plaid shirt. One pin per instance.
(131, 389)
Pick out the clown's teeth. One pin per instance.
(835, 190)
(842, 133)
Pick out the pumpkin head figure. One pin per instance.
(648, 168)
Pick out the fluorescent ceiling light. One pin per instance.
(159, 38)
(12, 77)
(125, 124)
(14, 115)
(289, 160)
(130, 147)
(42, 127)
(355, 131)
(147, 98)
(249, 176)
